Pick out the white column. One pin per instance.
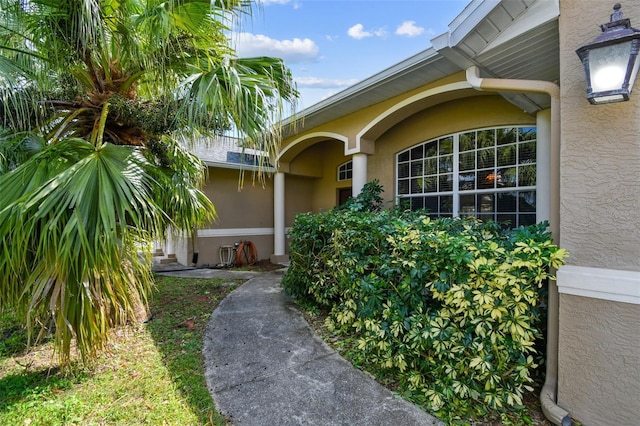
(543, 166)
(169, 248)
(359, 173)
(278, 217)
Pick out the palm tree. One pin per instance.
(98, 100)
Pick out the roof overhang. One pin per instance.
(514, 39)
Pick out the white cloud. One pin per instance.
(380, 32)
(268, 2)
(295, 4)
(324, 83)
(292, 51)
(358, 32)
(409, 29)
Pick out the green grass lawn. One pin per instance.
(153, 373)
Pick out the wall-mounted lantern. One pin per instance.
(611, 60)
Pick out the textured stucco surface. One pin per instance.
(320, 162)
(296, 200)
(599, 351)
(599, 380)
(250, 207)
(325, 189)
(600, 160)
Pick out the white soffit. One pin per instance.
(495, 32)
(538, 14)
(512, 39)
(482, 23)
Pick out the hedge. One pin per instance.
(451, 307)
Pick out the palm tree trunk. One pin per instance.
(140, 309)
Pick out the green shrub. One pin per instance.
(450, 307)
(369, 199)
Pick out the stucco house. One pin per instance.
(239, 184)
(491, 120)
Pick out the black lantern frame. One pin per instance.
(617, 38)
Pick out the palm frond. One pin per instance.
(178, 184)
(16, 148)
(76, 214)
(95, 96)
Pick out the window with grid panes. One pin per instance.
(486, 173)
(345, 171)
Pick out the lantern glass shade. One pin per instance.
(608, 66)
(611, 61)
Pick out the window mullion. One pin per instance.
(438, 169)
(456, 172)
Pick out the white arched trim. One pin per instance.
(315, 135)
(461, 85)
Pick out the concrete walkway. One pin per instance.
(265, 366)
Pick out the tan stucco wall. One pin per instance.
(309, 162)
(297, 200)
(323, 159)
(325, 189)
(250, 207)
(600, 160)
(599, 351)
(599, 382)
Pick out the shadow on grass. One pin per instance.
(15, 388)
(180, 310)
(13, 340)
(33, 380)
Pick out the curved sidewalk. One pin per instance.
(264, 365)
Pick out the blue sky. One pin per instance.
(332, 44)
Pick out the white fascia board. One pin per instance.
(464, 15)
(441, 42)
(599, 283)
(469, 19)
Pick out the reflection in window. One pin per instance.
(486, 173)
(345, 170)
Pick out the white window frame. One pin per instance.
(454, 170)
(347, 169)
